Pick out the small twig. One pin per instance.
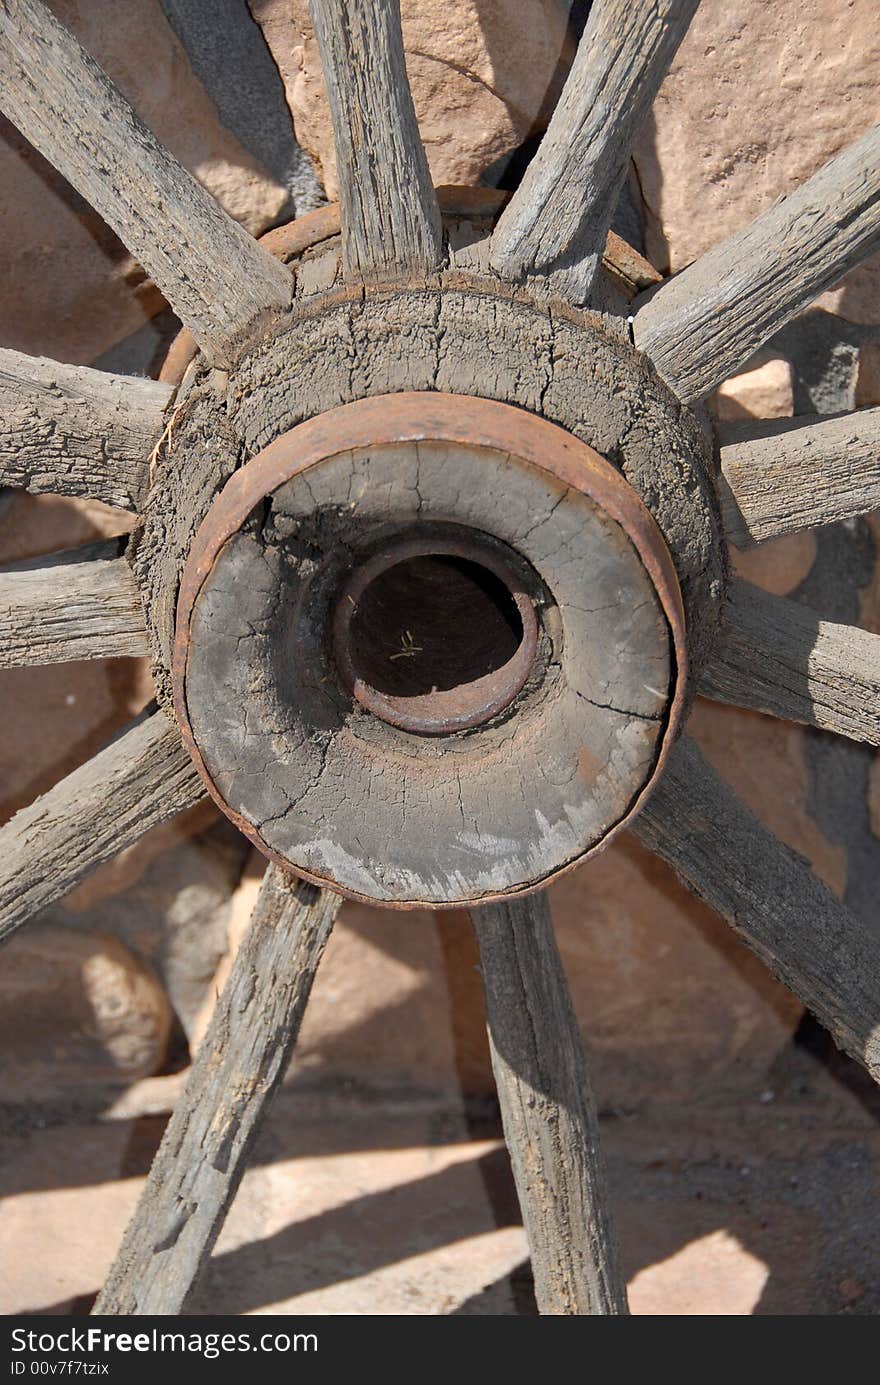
(166, 436)
(408, 648)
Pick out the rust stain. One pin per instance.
(588, 765)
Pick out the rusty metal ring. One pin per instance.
(442, 711)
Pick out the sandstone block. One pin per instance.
(867, 386)
(758, 97)
(765, 391)
(484, 75)
(78, 1009)
(778, 565)
(69, 289)
(169, 898)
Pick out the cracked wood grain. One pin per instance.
(789, 474)
(69, 430)
(214, 275)
(777, 656)
(141, 779)
(824, 953)
(704, 323)
(233, 1078)
(548, 1110)
(83, 604)
(557, 221)
(390, 217)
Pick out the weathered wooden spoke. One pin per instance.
(427, 568)
(234, 1076)
(84, 604)
(390, 217)
(703, 324)
(70, 430)
(138, 781)
(789, 474)
(215, 276)
(548, 1111)
(779, 657)
(826, 955)
(558, 218)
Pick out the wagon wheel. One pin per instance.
(431, 565)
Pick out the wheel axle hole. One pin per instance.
(435, 634)
(433, 623)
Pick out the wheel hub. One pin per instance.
(436, 564)
(429, 648)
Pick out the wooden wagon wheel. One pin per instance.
(431, 565)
